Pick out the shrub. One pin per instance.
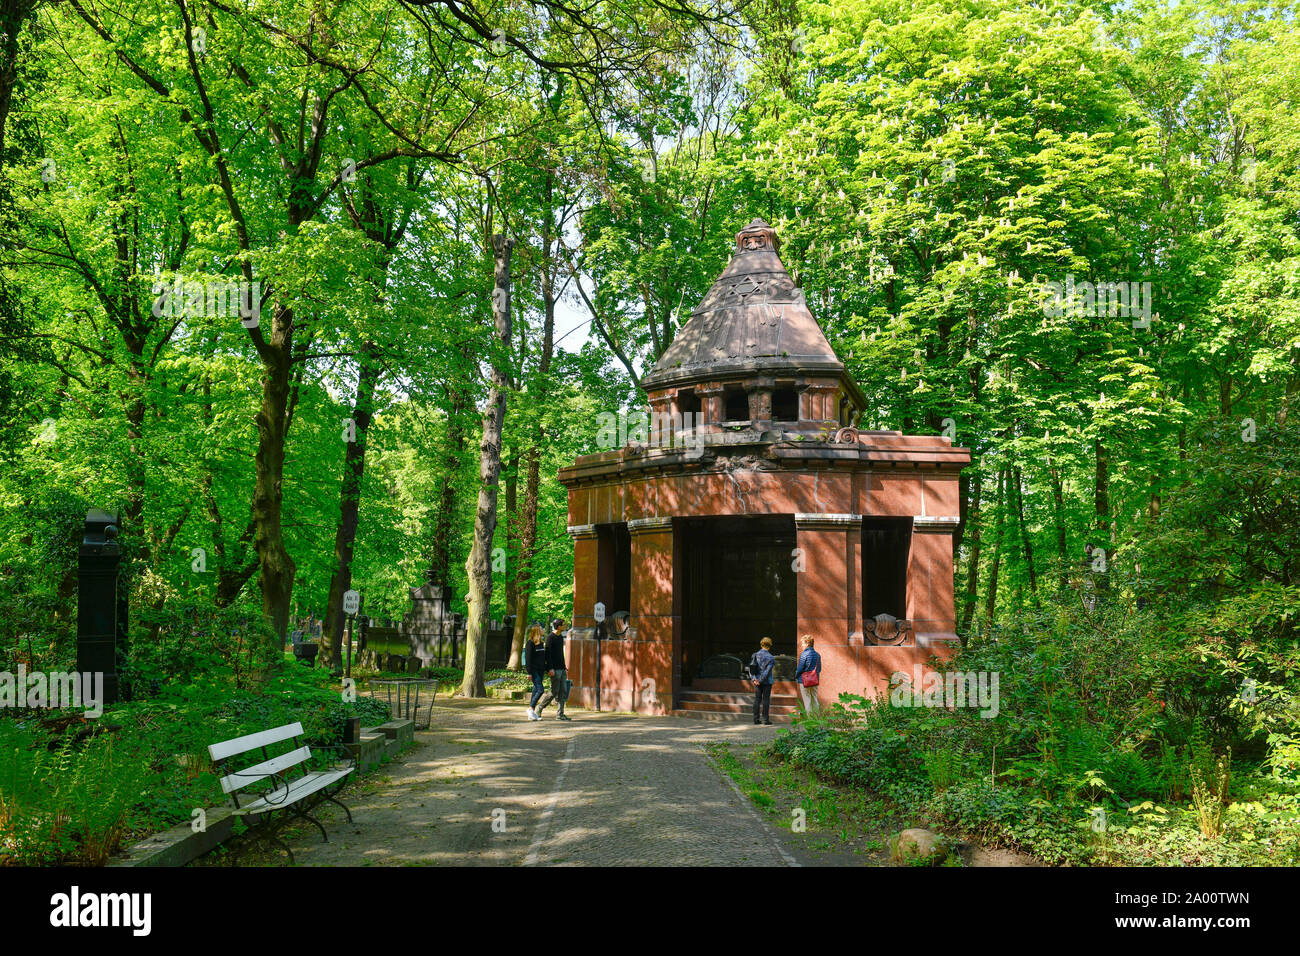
(68, 805)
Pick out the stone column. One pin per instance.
(830, 596)
(648, 688)
(580, 653)
(929, 580)
(760, 399)
(660, 431)
(711, 404)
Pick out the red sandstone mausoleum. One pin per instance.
(775, 516)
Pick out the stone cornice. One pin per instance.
(818, 520)
(935, 523)
(643, 525)
(581, 531)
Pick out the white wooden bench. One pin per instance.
(291, 782)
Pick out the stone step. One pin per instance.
(730, 707)
(727, 716)
(400, 733)
(727, 685)
(784, 700)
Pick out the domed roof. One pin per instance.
(753, 321)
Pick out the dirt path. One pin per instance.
(487, 787)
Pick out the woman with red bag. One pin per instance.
(808, 674)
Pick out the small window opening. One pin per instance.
(688, 403)
(737, 405)
(785, 405)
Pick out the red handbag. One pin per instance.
(810, 678)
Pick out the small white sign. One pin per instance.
(598, 612)
(351, 602)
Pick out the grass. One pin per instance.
(830, 819)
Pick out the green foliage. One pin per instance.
(178, 640)
(63, 802)
(1089, 729)
(931, 170)
(148, 766)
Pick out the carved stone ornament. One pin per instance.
(887, 630)
(757, 235)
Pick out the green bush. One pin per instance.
(1092, 725)
(147, 769)
(64, 802)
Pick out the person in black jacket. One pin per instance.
(558, 670)
(535, 665)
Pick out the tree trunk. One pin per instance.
(1058, 510)
(533, 458)
(527, 544)
(13, 16)
(276, 569)
(441, 543)
(478, 567)
(1101, 505)
(1024, 536)
(991, 601)
(345, 535)
(512, 528)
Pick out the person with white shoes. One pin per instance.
(808, 674)
(556, 667)
(535, 665)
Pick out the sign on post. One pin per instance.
(598, 612)
(351, 602)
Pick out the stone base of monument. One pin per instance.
(398, 735)
(369, 751)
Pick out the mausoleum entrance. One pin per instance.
(737, 585)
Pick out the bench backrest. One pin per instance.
(242, 779)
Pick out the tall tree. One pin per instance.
(478, 566)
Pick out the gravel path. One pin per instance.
(486, 786)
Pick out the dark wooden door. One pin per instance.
(740, 587)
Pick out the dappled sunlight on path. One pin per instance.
(634, 791)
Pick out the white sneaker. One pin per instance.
(531, 715)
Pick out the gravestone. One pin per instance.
(725, 666)
(433, 633)
(784, 667)
(101, 604)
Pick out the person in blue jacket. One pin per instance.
(761, 666)
(811, 662)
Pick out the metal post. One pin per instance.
(600, 634)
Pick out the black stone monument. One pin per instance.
(101, 604)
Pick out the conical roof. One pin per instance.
(753, 321)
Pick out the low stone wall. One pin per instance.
(182, 843)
